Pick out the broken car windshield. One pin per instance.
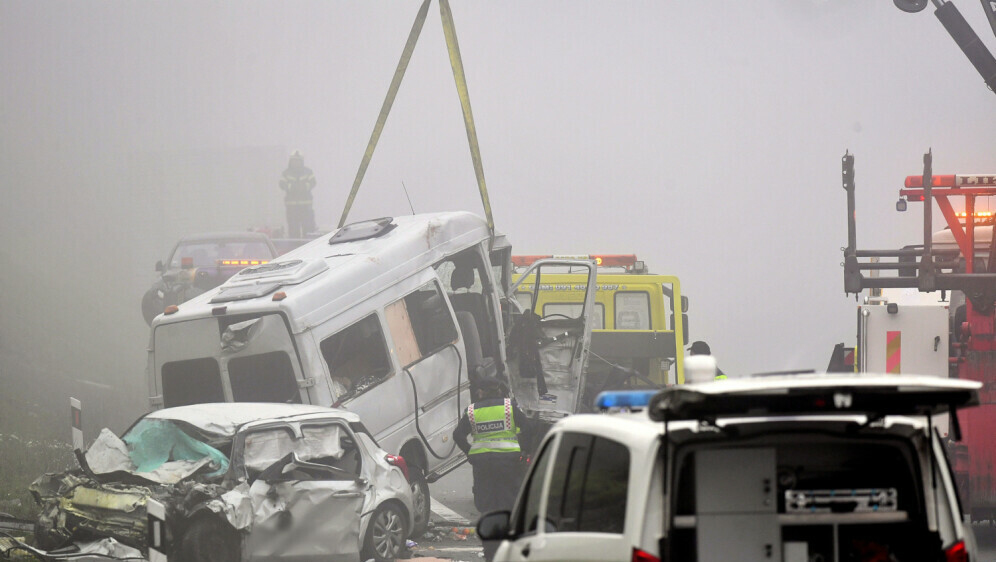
(152, 443)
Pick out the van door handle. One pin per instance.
(525, 550)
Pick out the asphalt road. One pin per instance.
(453, 509)
(985, 536)
(453, 493)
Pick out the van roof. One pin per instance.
(321, 280)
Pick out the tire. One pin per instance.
(421, 502)
(208, 539)
(152, 305)
(385, 538)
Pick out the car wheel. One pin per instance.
(385, 539)
(420, 500)
(152, 305)
(208, 539)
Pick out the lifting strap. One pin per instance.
(453, 47)
(392, 92)
(456, 62)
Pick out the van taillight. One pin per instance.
(395, 460)
(956, 553)
(644, 556)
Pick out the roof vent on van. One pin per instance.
(261, 280)
(363, 230)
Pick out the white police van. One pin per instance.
(785, 468)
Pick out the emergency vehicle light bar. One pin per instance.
(604, 260)
(976, 214)
(630, 399)
(955, 180)
(242, 262)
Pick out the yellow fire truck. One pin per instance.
(640, 319)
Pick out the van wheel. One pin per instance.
(208, 539)
(420, 500)
(385, 538)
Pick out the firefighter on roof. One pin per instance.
(297, 183)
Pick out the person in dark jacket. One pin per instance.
(702, 348)
(297, 182)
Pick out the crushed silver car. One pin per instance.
(238, 482)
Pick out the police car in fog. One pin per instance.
(794, 468)
(201, 262)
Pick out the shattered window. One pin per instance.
(357, 356)
(320, 444)
(265, 377)
(162, 447)
(193, 381)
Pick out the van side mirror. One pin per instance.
(159, 266)
(493, 526)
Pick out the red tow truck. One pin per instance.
(959, 262)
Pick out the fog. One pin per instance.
(705, 137)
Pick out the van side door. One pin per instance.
(548, 349)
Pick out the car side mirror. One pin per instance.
(494, 526)
(159, 266)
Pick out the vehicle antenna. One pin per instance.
(410, 206)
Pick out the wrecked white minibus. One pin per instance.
(391, 319)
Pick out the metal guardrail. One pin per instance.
(15, 525)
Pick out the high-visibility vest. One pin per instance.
(298, 184)
(492, 428)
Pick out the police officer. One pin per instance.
(297, 183)
(499, 433)
(702, 348)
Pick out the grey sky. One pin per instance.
(703, 136)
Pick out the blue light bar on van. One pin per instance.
(630, 399)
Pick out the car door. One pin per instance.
(582, 506)
(548, 349)
(524, 522)
(306, 505)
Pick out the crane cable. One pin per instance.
(456, 62)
